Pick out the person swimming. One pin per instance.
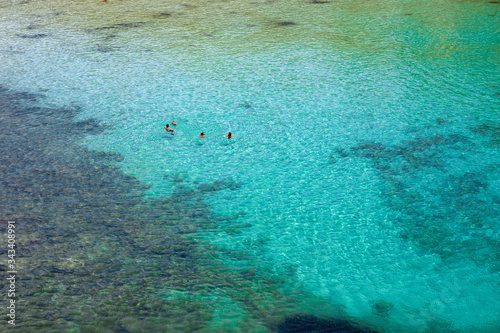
(202, 135)
(174, 123)
(229, 135)
(168, 129)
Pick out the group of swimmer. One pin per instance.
(201, 135)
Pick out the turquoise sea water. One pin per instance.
(364, 170)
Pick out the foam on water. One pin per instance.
(366, 140)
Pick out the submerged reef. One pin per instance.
(444, 209)
(107, 34)
(489, 130)
(93, 255)
(308, 323)
(119, 26)
(34, 36)
(285, 23)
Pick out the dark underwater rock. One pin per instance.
(441, 121)
(89, 126)
(382, 308)
(110, 37)
(487, 129)
(248, 274)
(33, 36)
(119, 26)
(108, 156)
(247, 105)
(468, 183)
(312, 324)
(370, 150)
(129, 25)
(219, 185)
(286, 23)
(162, 15)
(342, 152)
(104, 49)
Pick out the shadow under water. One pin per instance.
(93, 255)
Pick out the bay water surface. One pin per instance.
(362, 181)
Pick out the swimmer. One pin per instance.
(174, 123)
(229, 135)
(202, 135)
(168, 129)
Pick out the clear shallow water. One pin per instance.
(365, 165)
